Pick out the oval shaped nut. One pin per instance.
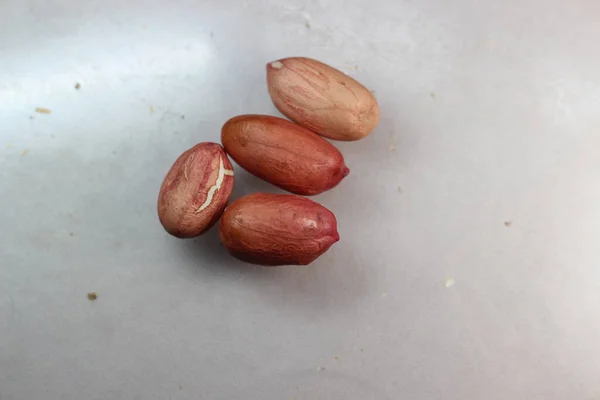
(277, 229)
(322, 99)
(283, 153)
(195, 191)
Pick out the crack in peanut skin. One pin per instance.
(283, 153)
(322, 99)
(187, 186)
(272, 230)
(214, 188)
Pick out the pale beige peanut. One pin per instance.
(322, 99)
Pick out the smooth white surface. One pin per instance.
(468, 267)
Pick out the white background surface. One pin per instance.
(489, 116)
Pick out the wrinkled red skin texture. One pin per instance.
(186, 187)
(277, 229)
(283, 153)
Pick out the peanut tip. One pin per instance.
(336, 237)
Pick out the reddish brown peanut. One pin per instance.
(277, 229)
(322, 99)
(195, 191)
(283, 153)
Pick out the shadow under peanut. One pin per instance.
(334, 282)
(246, 183)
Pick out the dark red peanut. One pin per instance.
(277, 229)
(283, 153)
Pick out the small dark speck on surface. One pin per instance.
(71, 234)
(212, 34)
(182, 116)
(399, 189)
(31, 117)
(92, 296)
(336, 358)
(432, 94)
(307, 25)
(507, 223)
(77, 86)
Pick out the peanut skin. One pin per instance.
(271, 229)
(195, 191)
(322, 99)
(283, 153)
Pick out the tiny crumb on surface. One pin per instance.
(71, 234)
(362, 350)
(449, 282)
(321, 369)
(31, 117)
(151, 109)
(336, 358)
(432, 94)
(24, 152)
(42, 110)
(392, 147)
(92, 296)
(77, 86)
(307, 25)
(507, 223)
(400, 189)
